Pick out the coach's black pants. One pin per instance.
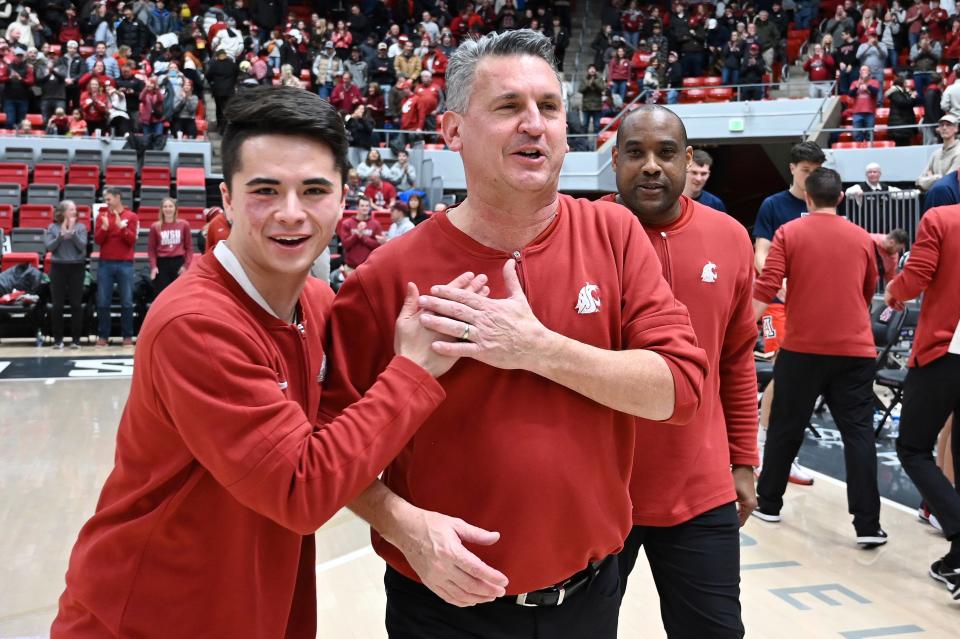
(696, 568)
(930, 394)
(414, 612)
(847, 385)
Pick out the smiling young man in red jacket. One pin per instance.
(688, 483)
(931, 391)
(832, 272)
(222, 470)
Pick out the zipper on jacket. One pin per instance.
(518, 256)
(665, 259)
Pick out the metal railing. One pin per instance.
(881, 212)
(869, 131)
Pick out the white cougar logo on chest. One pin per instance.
(588, 301)
(709, 273)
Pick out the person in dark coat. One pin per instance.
(222, 77)
(902, 102)
(134, 33)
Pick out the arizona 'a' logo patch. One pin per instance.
(588, 300)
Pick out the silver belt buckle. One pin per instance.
(522, 599)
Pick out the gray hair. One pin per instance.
(463, 63)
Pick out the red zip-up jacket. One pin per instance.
(934, 267)
(116, 243)
(509, 450)
(831, 272)
(679, 473)
(222, 472)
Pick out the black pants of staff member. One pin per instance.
(66, 280)
(168, 269)
(696, 568)
(221, 103)
(847, 385)
(414, 612)
(930, 394)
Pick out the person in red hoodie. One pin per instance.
(169, 246)
(931, 391)
(346, 95)
(359, 235)
(436, 63)
(528, 460)
(222, 472)
(116, 236)
(688, 484)
(829, 263)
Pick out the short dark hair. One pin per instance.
(824, 187)
(807, 152)
(899, 236)
(112, 190)
(280, 110)
(655, 108)
(702, 158)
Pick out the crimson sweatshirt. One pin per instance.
(357, 248)
(222, 472)
(509, 450)
(831, 272)
(679, 473)
(934, 267)
(170, 240)
(116, 243)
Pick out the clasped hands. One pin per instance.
(499, 332)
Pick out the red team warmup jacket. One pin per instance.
(934, 266)
(509, 450)
(222, 472)
(831, 272)
(679, 473)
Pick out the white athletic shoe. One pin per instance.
(767, 517)
(800, 475)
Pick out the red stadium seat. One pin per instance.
(693, 82)
(843, 145)
(83, 214)
(118, 175)
(846, 136)
(880, 132)
(720, 94)
(3, 118)
(882, 144)
(883, 115)
(35, 216)
(193, 216)
(11, 259)
(888, 73)
(713, 81)
(603, 137)
(6, 218)
(918, 111)
(383, 217)
(84, 174)
(36, 121)
(55, 49)
(15, 173)
(191, 176)
(86, 51)
(692, 96)
(155, 176)
(50, 174)
(148, 215)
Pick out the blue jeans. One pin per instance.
(16, 111)
(591, 116)
(324, 90)
(921, 80)
(730, 76)
(804, 16)
(673, 96)
(153, 128)
(112, 272)
(863, 121)
(632, 38)
(620, 87)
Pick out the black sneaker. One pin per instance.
(943, 573)
(872, 540)
(770, 518)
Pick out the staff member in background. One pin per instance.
(116, 234)
(830, 264)
(698, 172)
(931, 391)
(66, 241)
(547, 410)
(775, 211)
(688, 484)
(169, 246)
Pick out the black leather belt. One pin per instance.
(557, 594)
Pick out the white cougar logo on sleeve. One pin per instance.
(709, 273)
(588, 301)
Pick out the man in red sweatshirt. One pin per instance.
(358, 234)
(116, 235)
(830, 264)
(529, 457)
(222, 472)
(931, 391)
(688, 483)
